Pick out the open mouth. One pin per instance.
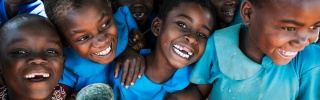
(37, 77)
(138, 15)
(287, 53)
(229, 13)
(182, 51)
(104, 52)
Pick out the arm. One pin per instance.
(192, 92)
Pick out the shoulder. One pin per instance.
(308, 59)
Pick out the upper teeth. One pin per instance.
(178, 50)
(288, 53)
(104, 52)
(138, 15)
(32, 75)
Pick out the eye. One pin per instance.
(182, 25)
(51, 52)
(105, 25)
(202, 35)
(314, 28)
(19, 52)
(289, 28)
(83, 38)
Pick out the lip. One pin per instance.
(229, 12)
(183, 51)
(287, 54)
(36, 75)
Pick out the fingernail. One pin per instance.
(139, 76)
(127, 87)
(132, 83)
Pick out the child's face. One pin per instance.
(92, 32)
(140, 9)
(225, 9)
(183, 35)
(32, 61)
(281, 29)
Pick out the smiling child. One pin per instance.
(31, 59)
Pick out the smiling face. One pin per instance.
(92, 32)
(183, 35)
(140, 9)
(31, 61)
(281, 29)
(225, 9)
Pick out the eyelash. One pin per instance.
(289, 28)
(202, 35)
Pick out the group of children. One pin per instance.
(170, 53)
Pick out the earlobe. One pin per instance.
(246, 11)
(156, 25)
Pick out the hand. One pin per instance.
(136, 40)
(133, 66)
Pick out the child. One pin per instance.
(268, 60)
(225, 10)
(142, 11)
(31, 59)
(11, 8)
(182, 29)
(90, 30)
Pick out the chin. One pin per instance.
(282, 62)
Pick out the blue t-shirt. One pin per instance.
(234, 76)
(145, 89)
(80, 72)
(35, 7)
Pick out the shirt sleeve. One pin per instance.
(310, 85)
(202, 69)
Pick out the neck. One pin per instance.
(158, 70)
(249, 48)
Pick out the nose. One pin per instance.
(191, 38)
(231, 3)
(38, 59)
(99, 40)
(302, 39)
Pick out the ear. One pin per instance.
(246, 11)
(156, 26)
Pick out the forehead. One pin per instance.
(302, 10)
(194, 11)
(32, 31)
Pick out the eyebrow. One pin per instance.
(99, 20)
(191, 20)
(22, 40)
(292, 22)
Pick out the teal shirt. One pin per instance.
(235, 77)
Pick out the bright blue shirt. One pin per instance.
(35, 7)
(145, 89)
(80, 72)
(234, 76)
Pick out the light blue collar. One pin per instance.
(232, 62)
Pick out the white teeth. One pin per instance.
(178, 50)
(104, 52)
(32, 75)
(138, 15)
(288, 53)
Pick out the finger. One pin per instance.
(130, 72)
(136, 71)
(124, 71)
(117, 68)
(142, 66)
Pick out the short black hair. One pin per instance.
(20, 21)
(258, 3)
(169, 5)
